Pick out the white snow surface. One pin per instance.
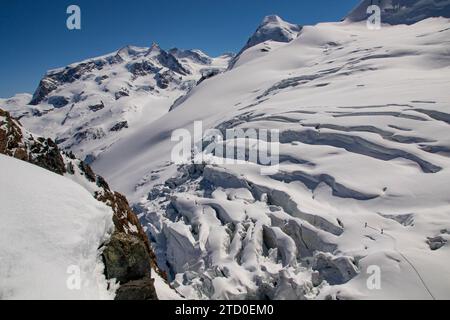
(51, 230)
(364, 121)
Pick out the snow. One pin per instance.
(275, 29)
(163, 290)
(360, 115)
(95, 104)
(50, 227)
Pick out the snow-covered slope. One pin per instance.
(364, 126)
(402, 11)
(127, 254)
(51, 230)
(88, 106)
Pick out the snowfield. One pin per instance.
(51, 229)
(359, 208)
(364, 126)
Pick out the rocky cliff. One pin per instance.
(128, 256)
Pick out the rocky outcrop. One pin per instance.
(128, 256)
(125, 258)
(123, 92)
(142, 68)
(58, 101)
(137, 290)
(45, 87)
(334, 270)
(119, 126)
(24, 146)
(97, 107)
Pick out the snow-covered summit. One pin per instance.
(89, 105)
(275, 29)
(272, 28)
(402, 11)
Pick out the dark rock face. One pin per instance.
(207, 74)
(436, 243)
(334, 270)
(126, 258)
(143, 68)
(165, 78)
(89, 133)
(122, 93)
(40, 151)
(137, 290)
(87, 171)
(58, 101)
(47, 156)
(97, 107)
(119, 126)
(170, 62)
(46, 86)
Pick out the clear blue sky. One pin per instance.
(34, 37)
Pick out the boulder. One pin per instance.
(139, 290)
(334, 270)
(126, 258)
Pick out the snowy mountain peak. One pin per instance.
(272, 19)
(402, 11)
(88, 105)
(273, 28)
(154, 49)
